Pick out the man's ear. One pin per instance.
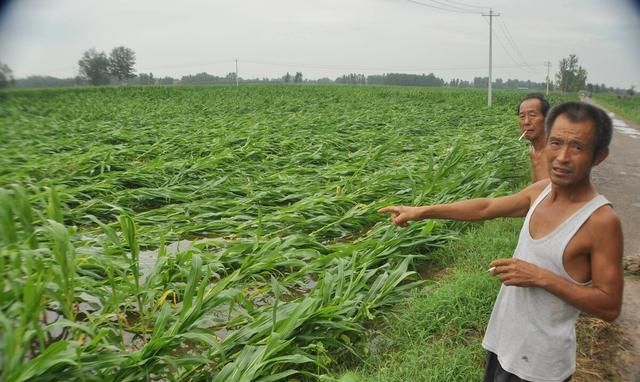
(600, 156)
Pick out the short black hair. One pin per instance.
(544, 104)
(582, 111)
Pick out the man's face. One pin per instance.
(531, 119)
(569, 151)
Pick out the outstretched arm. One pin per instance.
(469, 210)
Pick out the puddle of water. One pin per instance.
(134, 341)
(90, 304)
(624, 128)
(294, 293)
(50, 317)
(221, 334)
(147, 259)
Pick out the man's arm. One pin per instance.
(603, 298)
(470, 210)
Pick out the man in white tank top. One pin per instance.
(568, 258)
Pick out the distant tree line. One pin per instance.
(402, 79)
(44, 82)
(206, 78)
(98, 68)
(498, 83)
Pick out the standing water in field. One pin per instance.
(148, 258)
(285, 180)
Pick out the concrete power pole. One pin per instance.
(237, 84)
(548, 69)
(491, 15)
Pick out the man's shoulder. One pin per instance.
(535, 189)
(604, 216)
(604, 222)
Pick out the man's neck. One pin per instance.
(582, 191)
(538, 144)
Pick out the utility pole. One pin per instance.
(548, 69)
(491, 15)
(237, 84)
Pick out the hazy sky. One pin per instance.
(326, 38)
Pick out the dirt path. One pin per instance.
(618, 178)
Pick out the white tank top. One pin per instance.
(531, 330)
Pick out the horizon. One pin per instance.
(328, 39)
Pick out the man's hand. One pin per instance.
(518, 272)
(400, 215)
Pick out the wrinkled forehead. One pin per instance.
(583, 130)
(531, 104)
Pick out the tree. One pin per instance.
(146, 79)
(481, 82)
(287, 77)
(200, 78)
(6, 75)
(298, 77)
(94, 66)
(166, 80)
(571, 77)
(121, 62)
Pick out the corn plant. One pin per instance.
(276, 187)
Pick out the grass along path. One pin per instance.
(436, 335)
(628, 107)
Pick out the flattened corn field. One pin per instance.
(278, 188)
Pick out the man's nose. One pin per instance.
(563, 153)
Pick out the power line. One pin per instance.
(380, 69)
(517, 64)
(191, 64)
(468, 5)
(505, 29)
(440, 8)
(451, 5)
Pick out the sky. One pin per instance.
(328, 38)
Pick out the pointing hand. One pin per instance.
(401, 215)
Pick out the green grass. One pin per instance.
(436, 335)
(628, 107)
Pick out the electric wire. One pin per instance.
(511, 41)
(443, 3)
(371, 69)
(467, 5)
(519, 65)
(440, 8)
